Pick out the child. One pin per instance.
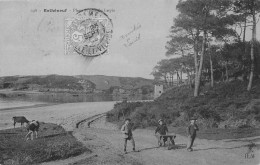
(191, 130)
(128, 135)
(32, 127)
(162, 130)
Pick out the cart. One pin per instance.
(169, 140)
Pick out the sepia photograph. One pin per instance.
(129, 82)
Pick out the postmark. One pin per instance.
(88, 33)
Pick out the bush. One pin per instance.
(122, 111)
(215, 106)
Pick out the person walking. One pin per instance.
(191, 130)
(128, 135)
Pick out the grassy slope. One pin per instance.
(53, 143)
(49, 81)
(102, 82)
(105, 82)
(227, 105)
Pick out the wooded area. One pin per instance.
(208, 42)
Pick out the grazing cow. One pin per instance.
(20, 119)
(32, 127)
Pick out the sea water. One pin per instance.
(11, 103)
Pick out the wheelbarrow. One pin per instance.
(166, 140)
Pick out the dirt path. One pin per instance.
(105, 140)
(205, 151)
(103, 151)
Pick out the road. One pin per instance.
(106, 142)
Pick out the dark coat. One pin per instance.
(33, 126)
(161, 129)
(192, 129)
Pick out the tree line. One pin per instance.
(208, 40)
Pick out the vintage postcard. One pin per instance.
(130, 82)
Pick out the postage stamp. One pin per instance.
(88, 33)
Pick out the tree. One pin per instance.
(162, 70)
(250, 8)
(187, 65)
(176, 67)
(211, 54)
(199, 18)
(180, 44)
(167, 68)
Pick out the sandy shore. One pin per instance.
(66, 115)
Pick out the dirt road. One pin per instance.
(107, 144)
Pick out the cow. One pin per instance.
(20, 119)
(32, 127)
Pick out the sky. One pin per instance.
(32, 41)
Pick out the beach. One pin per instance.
(66, 115)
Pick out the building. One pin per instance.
(158, 90)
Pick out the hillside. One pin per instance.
(227, 105)
(105, 82)
(81, 83)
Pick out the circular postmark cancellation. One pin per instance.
(89, 33)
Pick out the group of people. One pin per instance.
(160, 131)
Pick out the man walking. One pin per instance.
(191, 130)
(128, 135)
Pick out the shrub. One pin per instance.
(219, 104)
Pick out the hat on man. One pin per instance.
(127, 119)
(160, 120)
